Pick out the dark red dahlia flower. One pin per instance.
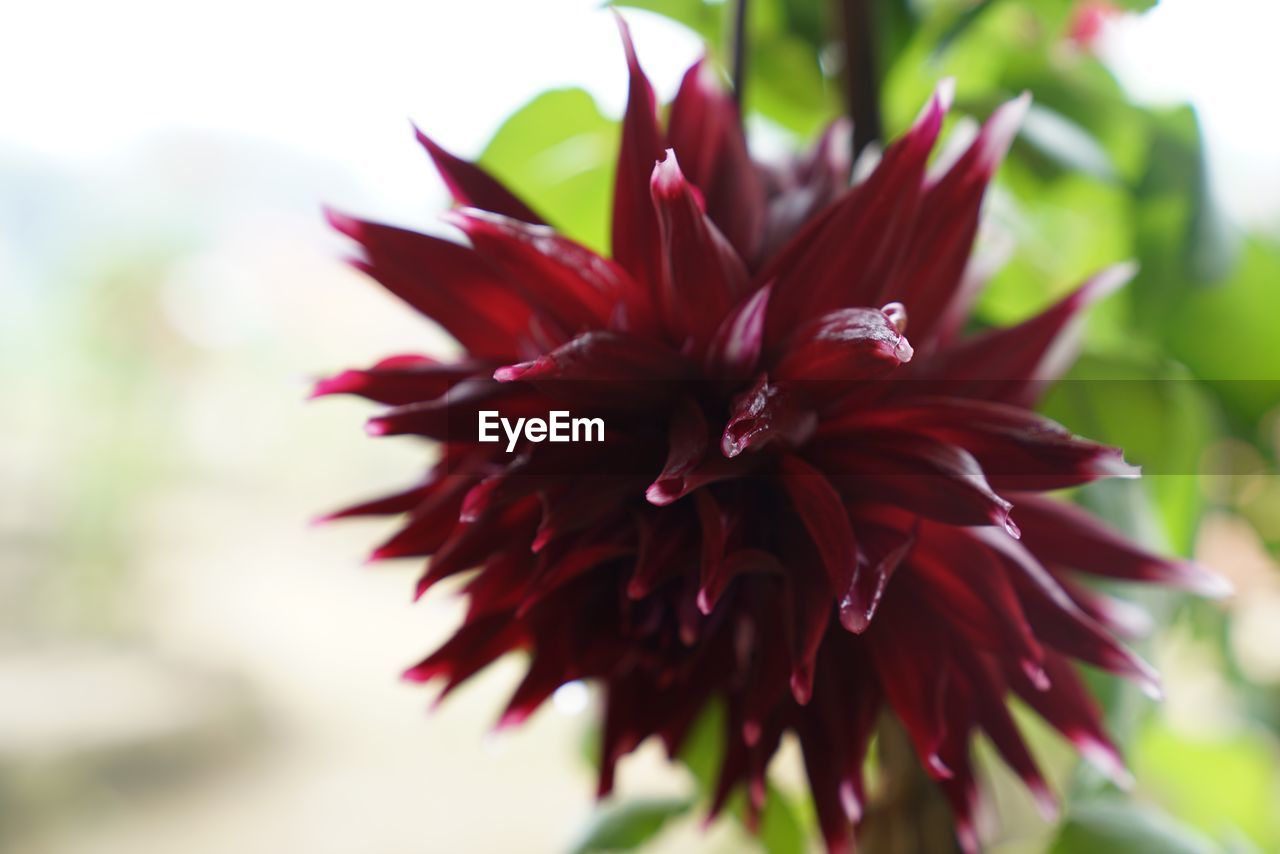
(794, 512)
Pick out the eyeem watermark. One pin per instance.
(559, 426)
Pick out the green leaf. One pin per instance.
(628, 825)
(1227, 334)
(1117, 827)
(782, 830)
(557, 153)
(785, 81)
(705, 19)
(703, 747)
(957, 28)
(1066, 143)
(1183, 239)
(1214, 782)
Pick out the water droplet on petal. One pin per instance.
(897, 314)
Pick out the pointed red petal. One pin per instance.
(848, 344)
(573, 285)
(714, 536)
(703, 276)
(1067, 706)
(969, 586)
(1017, 449)
(818, 180)
(882, 550)
(1065, 534)
(906, 650)
(635, 227)
(735, 564)
(390, 505)
(735, 348)
(808, 604)
(1059, 622)
(845, 257)
(822, 511)
(765, 413)
(603, 356)
(687, 440)
(400, 380)
(993, 715)
(665, 548)
(929, 282)
(474, 187)
(935, 479)
(706, 132)
(1014, 364)
(447, 282)
(454, 415)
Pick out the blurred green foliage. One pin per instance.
(1182, 359)
(628, 825)
(558, 151)
(782, 829)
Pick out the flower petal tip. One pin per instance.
(938, 769)
(510, 719)
(1105, 759)
(1114, 465)
(1108, 281)
(513, 373)
(850, 802)
(802, 685)
(378, 555)
(377, 427)
(1000, 130)
(1036, 674)
(343, 224)
(1046, 802)
(1205, 582)
(902, 351)
(667, 180)
(628, 45)
(854, 622)
(432, 147)
(664, 491)
(342, 383)
(541, 539)
(945, 93)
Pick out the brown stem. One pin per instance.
(738, 50)
(906, 813)
(862, 88)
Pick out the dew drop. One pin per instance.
(897, 314)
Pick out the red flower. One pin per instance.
(795, 512)
(1088, 19)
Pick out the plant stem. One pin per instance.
(906, 814)
(862, 88)
(738, 50)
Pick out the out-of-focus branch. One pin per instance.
(738, 49)
(906, 814)
(862, 86)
